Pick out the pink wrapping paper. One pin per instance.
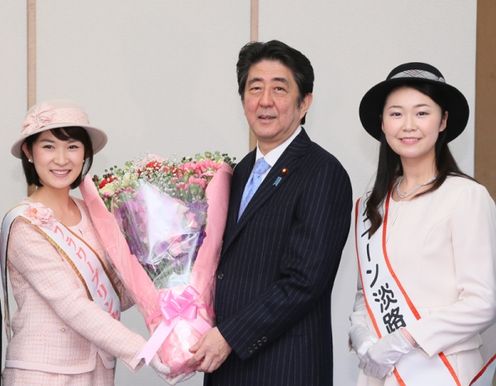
(184, 313)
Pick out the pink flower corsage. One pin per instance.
(39, 214)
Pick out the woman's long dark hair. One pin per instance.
(389, 167)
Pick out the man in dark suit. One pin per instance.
(281, 248)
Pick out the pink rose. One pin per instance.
(39, 214)
(198, 181)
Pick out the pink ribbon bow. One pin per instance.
(45, 114)
(40, 116)
(183, 305)
(174, 307)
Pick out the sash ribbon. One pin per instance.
(85, 262)
(389, 307)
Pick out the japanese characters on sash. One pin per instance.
(389, 307)
(87, 265)
(442, 338)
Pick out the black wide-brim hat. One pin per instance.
(452, 99)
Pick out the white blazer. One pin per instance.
(442, 246)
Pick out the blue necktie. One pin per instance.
(260, 168)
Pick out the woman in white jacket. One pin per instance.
(426, 240)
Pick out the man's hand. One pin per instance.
(210, 352)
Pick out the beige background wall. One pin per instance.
(159, 76)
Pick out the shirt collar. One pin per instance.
(272, 156)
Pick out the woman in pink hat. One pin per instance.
(426, 242)
(66, 330)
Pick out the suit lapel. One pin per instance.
(240, 177)
(284, 168)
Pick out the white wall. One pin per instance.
(353, 45)
(160, 77)
(13, 96)
(12, 100)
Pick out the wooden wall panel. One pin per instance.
(485, 98)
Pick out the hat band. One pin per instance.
(423, 74)
(46, 114)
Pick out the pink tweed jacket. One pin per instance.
(56, 327)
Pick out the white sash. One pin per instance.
(389, 306)
(80, 256)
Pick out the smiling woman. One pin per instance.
(411, 122)
(425, 240)
(66, 292)
(59, 153)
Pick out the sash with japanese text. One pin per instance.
(85, 262)
(389, 306)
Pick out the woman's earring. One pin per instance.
(30, 160)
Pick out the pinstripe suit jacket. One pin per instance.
(277, 269)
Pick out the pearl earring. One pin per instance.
(30, 160)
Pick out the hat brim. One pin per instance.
(372, 105)
(97, 136)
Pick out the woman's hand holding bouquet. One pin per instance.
(161, 223)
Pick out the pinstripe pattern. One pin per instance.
(277, 269)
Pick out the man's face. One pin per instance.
(270, 102)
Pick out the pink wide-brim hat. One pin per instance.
(55, 114)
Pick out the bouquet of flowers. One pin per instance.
(161, 223)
